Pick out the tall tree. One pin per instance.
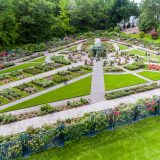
(34, 18)
(62, 26)
(150, 15)
(8, 26)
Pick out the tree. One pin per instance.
(150, 15)
(62, 25)
(34, 18)
(8, 26)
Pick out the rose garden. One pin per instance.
(84, 87)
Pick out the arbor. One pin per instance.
(8, 26)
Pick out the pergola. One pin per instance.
(98, 50)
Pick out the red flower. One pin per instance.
(117, 113)
(151, 109)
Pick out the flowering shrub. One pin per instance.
(41, 139)
(154, 35)
(123, 114)
(153, 66)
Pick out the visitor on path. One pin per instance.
(65, 83)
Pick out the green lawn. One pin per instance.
(138, 141)
(137, 52)
(18, 67)
(155, 76)
(39, 60)
(76, 89)
(122, 47)
(122, 80)
(146, 37)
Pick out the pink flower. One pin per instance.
(117, 113)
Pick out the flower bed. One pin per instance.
(36, 140)
(46, 67)
(154, 67)
(126, 92)
(43, 82)
(6, 65)
(28, 88)
(113, 69)
(60, 59)
(32, 71)
(10, 94)
(135, 66)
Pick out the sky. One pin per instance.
(137, 1)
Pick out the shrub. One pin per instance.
(141, 34)
(77, 103)
(45, 109)
(7, 118)
(154, 35)
(15, 73)
(59, 79)
(135, 66)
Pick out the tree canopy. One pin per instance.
(34, 21)
(150, 15)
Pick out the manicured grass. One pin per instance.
(40, 60)
(146, 37)
(137, 52)
(119, 81)
(18, 67)
(138, 141)
(76, 89)
(122, 47)
(155, 76)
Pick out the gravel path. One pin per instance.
(42, 92)
(42, 75)
(97, 91)
(21, 126)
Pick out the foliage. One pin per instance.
(46, 108)
(135, 65)
(36, 21)
(33, 71)
(127, 92)
(149, 17)
(141, 34)
(7, 118)
(154, 35)
(43, 82)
